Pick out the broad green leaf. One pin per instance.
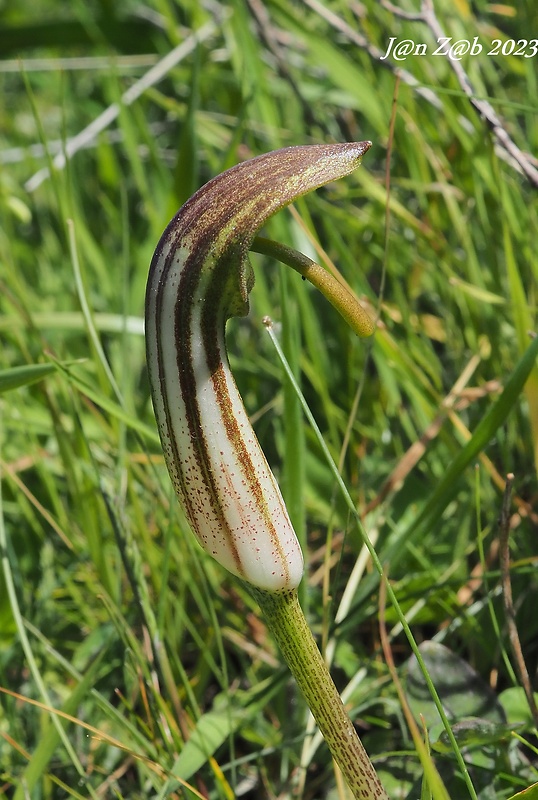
(462, 691)
(531, 793)
(474, 732)
(515, 705)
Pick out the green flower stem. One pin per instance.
(294, 638)
(336, 293)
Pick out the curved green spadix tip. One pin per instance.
(199, 277)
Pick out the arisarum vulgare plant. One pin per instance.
(200, 276)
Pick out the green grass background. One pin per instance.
(109, 612)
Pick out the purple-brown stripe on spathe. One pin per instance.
(165, 263)
(267, 175)
(212, 331)
(212, 334)
(223, 198)
(189, 278)
(218, 224)
(169, 440)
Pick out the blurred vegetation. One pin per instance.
(109, 613)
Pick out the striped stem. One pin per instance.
(294, 638)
